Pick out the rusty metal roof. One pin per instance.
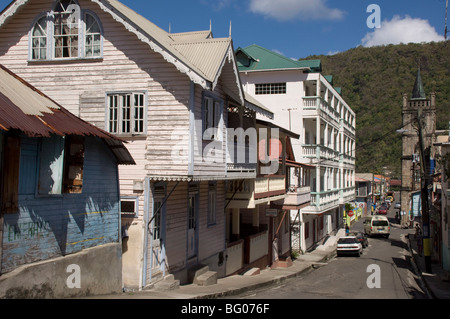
(25, 108)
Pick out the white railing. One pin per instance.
(299, 196)
(270, 184)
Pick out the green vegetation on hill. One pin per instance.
(373, 81)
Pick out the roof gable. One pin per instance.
(177, 48)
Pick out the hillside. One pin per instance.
(373, 81)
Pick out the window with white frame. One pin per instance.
(212, 118)
(126, 113)
(129, 206)
(270, 88)
(66, 32)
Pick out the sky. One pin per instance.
(300, 28)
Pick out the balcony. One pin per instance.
(325, 200)
(297, 196)
(317, 106)
(241, 167)
(320, 152)
(270, 186)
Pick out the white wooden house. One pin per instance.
(160, 92)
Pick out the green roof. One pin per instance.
(256, 58)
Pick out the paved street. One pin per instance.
(346, 277)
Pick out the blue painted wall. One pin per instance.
(56, 225)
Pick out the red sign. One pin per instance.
(350, 213)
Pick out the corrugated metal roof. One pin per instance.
(191, 36)
(259, 59)
(24, 108)
(258, 107)
(207, 55)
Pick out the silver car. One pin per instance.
(349, 245)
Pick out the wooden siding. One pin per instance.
(127, 65)
(211, 239)
(52, 226)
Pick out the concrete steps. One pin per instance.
(202, 276)
(168, 283)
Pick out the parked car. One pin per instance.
(349, 245)
(382, 209)
(397, 205)
(362, 238)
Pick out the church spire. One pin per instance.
(418, 91)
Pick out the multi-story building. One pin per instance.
(169, 96)
(305, 102)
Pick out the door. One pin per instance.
(157, 236)
(192, 240)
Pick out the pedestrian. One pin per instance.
(347, 229)
(416, 234)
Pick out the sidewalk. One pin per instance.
(438, 282)
(237, 284)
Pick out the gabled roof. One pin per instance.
(196, 54)
(257, 58)
(25, 108)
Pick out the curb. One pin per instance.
(270, 282)
(423, 283)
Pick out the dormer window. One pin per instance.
(66, 32)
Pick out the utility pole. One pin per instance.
(424, 196)
(446, 8)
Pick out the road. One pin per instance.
(347, 277)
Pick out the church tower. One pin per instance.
(412, 107)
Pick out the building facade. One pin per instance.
(305, 102)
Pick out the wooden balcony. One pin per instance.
(270, 186)
(298, 196)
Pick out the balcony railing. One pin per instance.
(298, 196)
(319, 104)
(270, 186)
(242, 167)
(326, 198)
(320, 151)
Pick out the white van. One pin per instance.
(377, 225)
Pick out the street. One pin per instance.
(349, 277)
